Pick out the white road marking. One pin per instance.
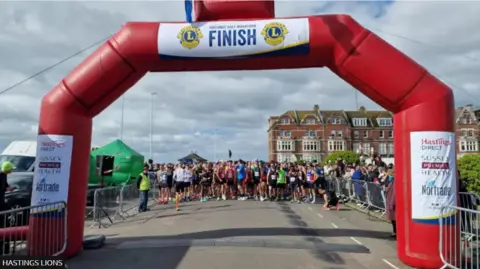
(389, 264)
(309, 208)
(334, 226)
(320, 216)
(355, 240)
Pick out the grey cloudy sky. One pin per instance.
(34, 35)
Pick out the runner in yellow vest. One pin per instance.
(143, 185)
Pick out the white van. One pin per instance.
(22, 154)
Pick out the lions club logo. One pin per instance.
(190, 36)
(274, 33)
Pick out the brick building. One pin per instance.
(468, 130)
(313, 134)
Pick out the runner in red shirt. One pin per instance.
(230, 178)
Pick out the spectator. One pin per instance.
(391, 203)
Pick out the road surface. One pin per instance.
(244, 234)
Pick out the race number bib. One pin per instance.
(257, 174)
(292, 179)
(274, 177)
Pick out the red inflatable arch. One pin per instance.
(420, 101)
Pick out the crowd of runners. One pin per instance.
(240, 180)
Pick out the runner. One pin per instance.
(281, 182)
(309, 186)
(221, 181)
(294, 181)
(240, 176)
(187, 181)
(179, 185)
(230, 178)
(272, 182)
(256, 176)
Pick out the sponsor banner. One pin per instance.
(234, 39)
(52, 171)
(433, 176)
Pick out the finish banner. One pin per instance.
(234, 39)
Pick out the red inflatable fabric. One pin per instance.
(214, 10)
(338, 42)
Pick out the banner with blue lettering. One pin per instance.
(434, 185)
(233, 39)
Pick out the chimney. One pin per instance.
(362, 108)
(316, 108)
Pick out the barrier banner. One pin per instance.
(433, 175)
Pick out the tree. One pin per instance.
(469, 167)
(347, 156)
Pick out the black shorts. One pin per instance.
(320, 183)
(169, 184)
(272, 183)
(281, 186)
(195, 182)
(179, 186)
(256, 181)
(187, 184)
(250, 184)
(309, 185)
(231, 182)
(294, 185)
(220, 181)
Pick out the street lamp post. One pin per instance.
(215, 144)
(152, 110)
(122, 117)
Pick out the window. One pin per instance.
(356, 147)
(336, 145)
(281, 133)
(384, 122)
(381, 134)
(467, 132)
(335, 121)
(365, 134)
(390, 148)
(310, 133)
(310, 158)
(464, 121)
(285, 145)
(390, 134)
(360, 122)
(288, 133)
(468, 146)
(382, 149)
(366, 148)
(333, 133)
(285, 120)
(309, 145)
(284, 158)
(340, 133)
(355, 134)
(310, 121)
(469, 120)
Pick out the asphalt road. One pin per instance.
(243, 234)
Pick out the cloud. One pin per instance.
(442, 36)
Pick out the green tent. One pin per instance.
(127, 163)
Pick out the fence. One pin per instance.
(16, 238)
(115, 203)
(466, 254)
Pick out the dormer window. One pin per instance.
(335, 121)
(384, 122)
(360, 122)
(285, 120)
(310, 121)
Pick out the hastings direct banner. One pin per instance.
(52, 169)
(234, 39)
(433, 175)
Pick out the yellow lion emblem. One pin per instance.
(274, 33)
(190, 36)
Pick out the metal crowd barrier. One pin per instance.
(467, 254)
(113, 204)
(15, 236)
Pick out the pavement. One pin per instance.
(243, 234)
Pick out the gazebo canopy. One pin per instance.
(192, 158)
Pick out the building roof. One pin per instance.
(192, 156)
